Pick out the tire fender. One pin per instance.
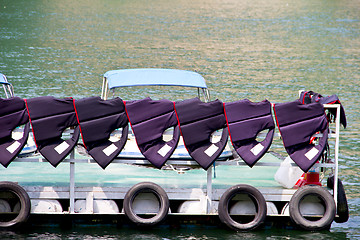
(146, 187)
(329, 204)
(25, 204)
(256, 197)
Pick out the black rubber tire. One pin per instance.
(257, 198)
(342, 204)
(146, 187)
(25, 204)
(294, 207)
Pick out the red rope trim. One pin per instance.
(227, 124)
(127, 114)
(177, 117)
(77, 118)
(32, 129)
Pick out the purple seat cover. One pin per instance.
(297, 124)
(198, 120)
(12, 114)
(310, 96)
(97, 119)
(245, 120)
(49, 117)
(149, 119)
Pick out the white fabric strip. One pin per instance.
(164, 150)
(12, 148)
(110, 149)
(257, 149)
(211, 150)
(61, 147)
(311, 153)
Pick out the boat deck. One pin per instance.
(80, 178)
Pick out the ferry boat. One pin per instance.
(147, 162)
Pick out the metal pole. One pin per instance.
(103, 88)
(337, 139)
(5, 91)
(72, 183)
(209, 190)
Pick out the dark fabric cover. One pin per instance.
(245, 120)
(12, 114)
(310, 96)
(98, 119)
(49, 117)
(297, 124)
(149, 119)
(198, 120)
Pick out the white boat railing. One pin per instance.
(72, 160)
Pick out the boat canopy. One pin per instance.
(3, 79)
(151, 77)
(7, 87)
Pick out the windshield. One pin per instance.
(158, 92)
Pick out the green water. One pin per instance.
(245, 49)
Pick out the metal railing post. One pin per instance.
(337, 143)
(209, 190)
(72, 183)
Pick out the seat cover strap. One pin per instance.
(307, 97)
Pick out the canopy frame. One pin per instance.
(7, 87)
(152, 77)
